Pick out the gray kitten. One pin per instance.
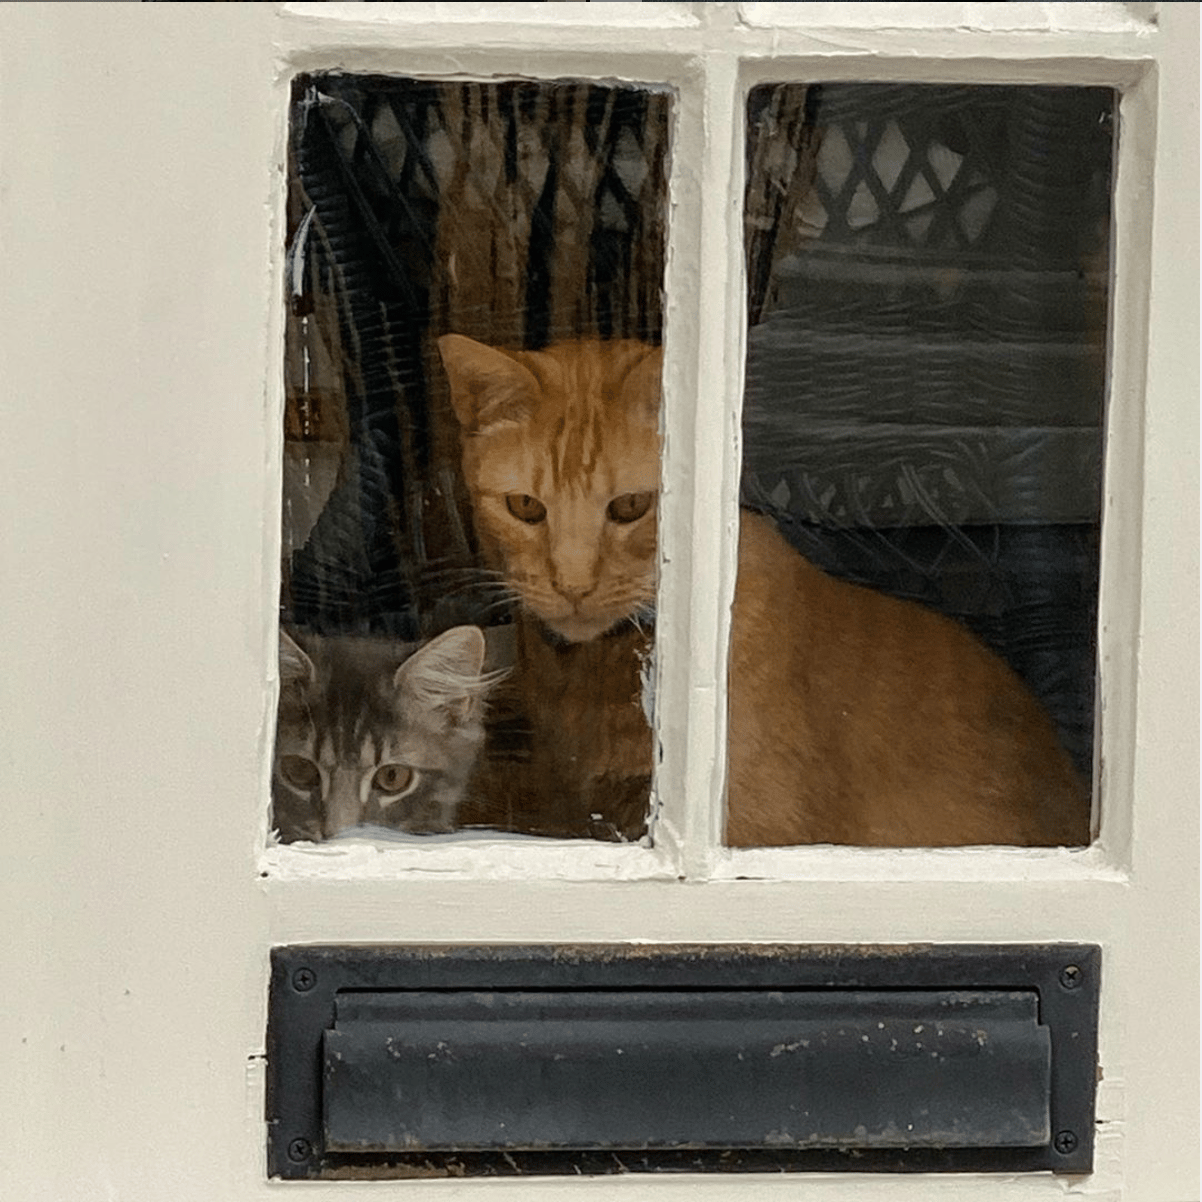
(376, 732)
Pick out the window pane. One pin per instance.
(471, 457)
(928, 277)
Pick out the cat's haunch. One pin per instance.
(854, 717)
(857, 718)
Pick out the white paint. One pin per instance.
(479, 12)
(1094, 18)
(466, 855)
(141, 334)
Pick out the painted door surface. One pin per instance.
(143, 216)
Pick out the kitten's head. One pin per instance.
(377, 732)
(561, 454)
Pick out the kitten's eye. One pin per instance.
(393, 778)
(526, 509)
(630, 506)
(300, 772)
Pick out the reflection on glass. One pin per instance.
(471, 461)
(928, 275)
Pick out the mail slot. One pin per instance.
(401, 1060)
(700, 1068)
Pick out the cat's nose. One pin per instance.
(573, 565)
(341, 808)
(573, 591)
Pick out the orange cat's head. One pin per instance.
(561, 454)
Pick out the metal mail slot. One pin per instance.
(421, 1060)
(699, 1068)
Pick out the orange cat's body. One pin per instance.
(888, 724)
(854, 717)
(588, 771)
(568, 425)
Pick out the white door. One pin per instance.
(141, 201)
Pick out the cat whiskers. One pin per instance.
(483, 589)
(489, 589)
(463, 579)
(502, 605)
(451, 571)
(643, 619)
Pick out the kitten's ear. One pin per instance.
(487, 385)
(445, 674)
(295, 666)
(644, 384)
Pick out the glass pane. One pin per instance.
(471, 457)
(928, 277)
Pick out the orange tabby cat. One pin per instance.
(545, 436)
(854, 717)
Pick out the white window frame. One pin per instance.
(141, 158)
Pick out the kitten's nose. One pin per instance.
(341, 809)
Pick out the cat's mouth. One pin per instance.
(590, 618)
(584, 628)
(578, 629)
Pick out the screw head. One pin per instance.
(299, 1149)
(1065, 1142)
(303, 979)
(1071, 976)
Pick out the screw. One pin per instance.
(1065, 1142)
(1071, 976)
(303, 980)
(299, 1149)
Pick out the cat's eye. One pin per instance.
(300, 772)
(526, 508)
(629, 507)
(393, 778)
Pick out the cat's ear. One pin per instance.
(487, 385)
(643, 385)
(295, 666)
(445, 674)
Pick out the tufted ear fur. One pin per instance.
(445, 675)
(488, 385)
(295, 666)
(643, 384)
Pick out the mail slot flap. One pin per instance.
(460, 1070)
